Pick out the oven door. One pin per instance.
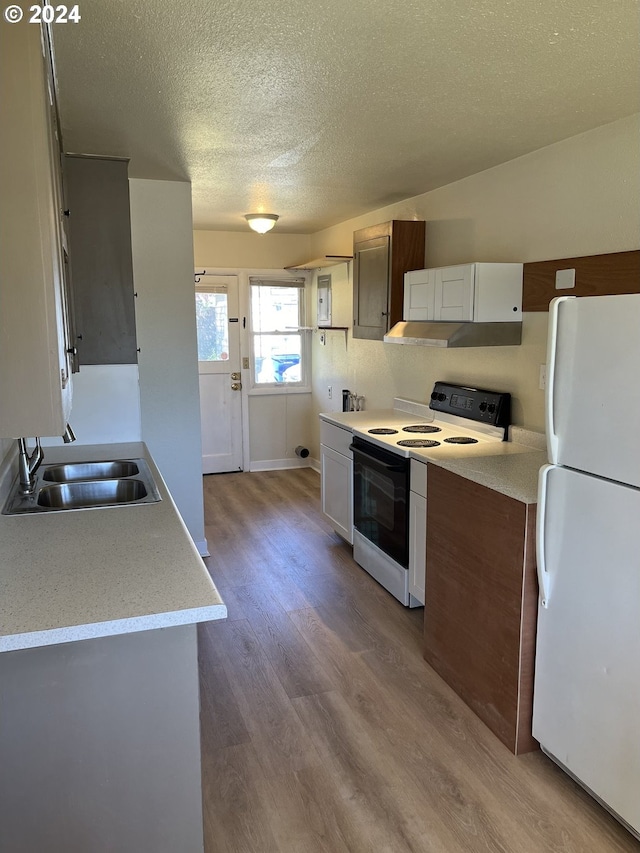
(381, 499)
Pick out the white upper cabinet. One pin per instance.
(35, 381)
(480, 292)
(419, 295)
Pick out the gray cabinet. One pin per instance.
(382, 255)
(97, 196)
(100, 745)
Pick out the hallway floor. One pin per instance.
(323, 729)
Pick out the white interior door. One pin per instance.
(219, 370)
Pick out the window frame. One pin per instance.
(303, 385)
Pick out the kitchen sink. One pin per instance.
(75, 471)
(85, 485)
(80, 495)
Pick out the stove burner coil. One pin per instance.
(421, 428)
(461, 439)
(417, 442)
(382, 431)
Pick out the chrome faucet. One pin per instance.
(68, 435)
(28, 464)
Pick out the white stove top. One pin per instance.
(445, 428)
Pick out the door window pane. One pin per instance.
(212, 319)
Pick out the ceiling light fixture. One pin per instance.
(261, 222)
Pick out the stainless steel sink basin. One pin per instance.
(80, 471)
(85, 485)
(93, 493)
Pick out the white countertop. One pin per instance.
(512, 470)
(67, 576)
(509, 467)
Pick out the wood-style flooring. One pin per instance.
(323, 728)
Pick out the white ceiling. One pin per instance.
(321, 111)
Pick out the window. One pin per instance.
(279, 345)
(212, 323)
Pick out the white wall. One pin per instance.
(106, 405)
(162, 247)
(578, 197)
(246, 249)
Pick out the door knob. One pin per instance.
(235, 377)
(236, 386)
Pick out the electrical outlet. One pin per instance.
(542, 377)
(330, 391)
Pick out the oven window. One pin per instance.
(381, 495)
(378, 496)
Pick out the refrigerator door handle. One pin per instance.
(544, 580)
(552, 348)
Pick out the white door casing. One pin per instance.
(217, 311)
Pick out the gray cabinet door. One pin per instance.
(371, 288)
(97, 192)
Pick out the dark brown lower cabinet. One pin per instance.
(481, 601)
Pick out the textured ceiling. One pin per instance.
(321, 111)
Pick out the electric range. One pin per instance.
(457, 419)
(462, 420)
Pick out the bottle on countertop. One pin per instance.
(346, 400)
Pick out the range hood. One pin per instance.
(453, 334)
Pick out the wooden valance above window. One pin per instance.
(596, 275)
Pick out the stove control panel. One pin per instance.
(476, 404)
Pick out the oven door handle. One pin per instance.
(400, 469)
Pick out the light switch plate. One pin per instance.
(565, 279)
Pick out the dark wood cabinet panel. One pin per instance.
(97, 193)
(382, 254)
(596, 275)
(481, 601)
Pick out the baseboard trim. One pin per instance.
(278, 464)
(203, 547)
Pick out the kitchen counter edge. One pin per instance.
(69, 576)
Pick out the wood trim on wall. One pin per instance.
(596, 275)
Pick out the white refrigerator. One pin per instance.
(586, 711)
